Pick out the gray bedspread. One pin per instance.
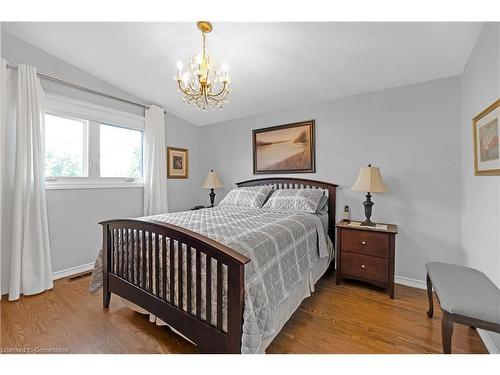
(282, 247)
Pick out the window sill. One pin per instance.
(73, 186)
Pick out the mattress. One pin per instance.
(284, 249)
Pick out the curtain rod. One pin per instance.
(83, 88)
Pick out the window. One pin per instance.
(121, 152)
(65, 146)
(91, 146)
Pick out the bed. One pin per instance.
(197, 275)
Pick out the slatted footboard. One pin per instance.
(194, 284)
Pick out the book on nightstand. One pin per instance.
(358, 224)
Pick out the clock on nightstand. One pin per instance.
(366, 253)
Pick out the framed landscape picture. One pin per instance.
(486, 147)
(285, 148)
(177, 162)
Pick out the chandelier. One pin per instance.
(204, 83)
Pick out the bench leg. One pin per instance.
(446, 332)
(430, 312)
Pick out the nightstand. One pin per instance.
(366, 254)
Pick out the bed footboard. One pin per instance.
(194, 284)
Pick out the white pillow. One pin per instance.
(252, 196)
(306, 200)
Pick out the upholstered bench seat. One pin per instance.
(465, 291)
(466, 296)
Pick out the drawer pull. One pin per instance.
(363, 266)
(363, 242)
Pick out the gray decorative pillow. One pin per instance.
(323, 205)
(306, 200)
(253, 196)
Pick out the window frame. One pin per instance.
(95, 115)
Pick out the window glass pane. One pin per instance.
(65, 146)
(121, 152)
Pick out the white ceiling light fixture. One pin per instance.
(203, 84)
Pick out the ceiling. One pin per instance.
(272, 65)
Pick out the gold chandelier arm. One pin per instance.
(222, 90)
(217, 100)
(193, 95)
(184, 91)
(189, 95)
(192, 88)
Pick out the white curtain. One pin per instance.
(155, 164)
(8, 99)
(23, 190)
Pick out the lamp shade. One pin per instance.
(212, 181)
(369, 180)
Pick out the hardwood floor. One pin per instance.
(337, 319)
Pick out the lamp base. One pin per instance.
(212, 197)
(368, 223)
(368, 211)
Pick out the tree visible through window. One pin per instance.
(65, 146)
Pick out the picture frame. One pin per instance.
(486, 131)
(287, 148)
(177, 162)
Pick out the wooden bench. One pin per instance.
(466, 296)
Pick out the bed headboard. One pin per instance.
(300, 183)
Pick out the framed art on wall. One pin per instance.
(285, 148)
(177, 162)
(486, 147)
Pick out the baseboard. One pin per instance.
(414, 283)
(488, 342)
(72, 271)
(60, 274)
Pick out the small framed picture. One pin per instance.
(486, 147)
(177, 162)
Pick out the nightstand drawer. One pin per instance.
(364, 267)
(365, 242)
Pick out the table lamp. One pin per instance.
(369, 180)
(212, 182)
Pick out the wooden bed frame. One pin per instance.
(131, 269)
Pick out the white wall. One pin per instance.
(480, 195)
(411, 133)
(74, 214)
